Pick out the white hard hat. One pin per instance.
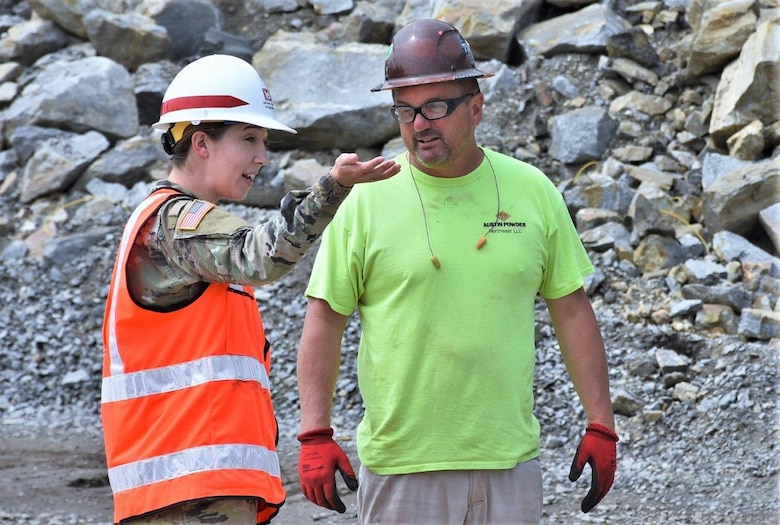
(218, 88)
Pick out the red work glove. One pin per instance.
(598, 448)
(319, 459)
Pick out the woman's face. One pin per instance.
(234, 161)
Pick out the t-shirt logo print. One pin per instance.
(503, 225)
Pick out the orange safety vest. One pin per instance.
(186, 406)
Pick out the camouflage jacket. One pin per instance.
(191, 243)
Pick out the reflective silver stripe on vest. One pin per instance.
(190, 461)
(183, 375)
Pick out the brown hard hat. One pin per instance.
(428, 51)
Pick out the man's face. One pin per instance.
(440, 144)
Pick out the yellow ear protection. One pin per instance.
(176, 132)
(172, 136)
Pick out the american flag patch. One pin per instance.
(190, 219)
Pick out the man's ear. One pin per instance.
(477, 103)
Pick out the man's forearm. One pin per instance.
(319, 356)
(582, 348)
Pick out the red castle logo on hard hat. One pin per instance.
(267, 94)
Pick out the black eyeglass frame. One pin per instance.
(452, 105)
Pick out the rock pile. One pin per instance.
(658, 120)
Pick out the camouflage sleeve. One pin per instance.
(209, 244)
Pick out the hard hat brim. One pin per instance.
(430, 79)
(256, 120)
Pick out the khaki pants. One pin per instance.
(233, 511)
(494, 497)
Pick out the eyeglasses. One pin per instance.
(433, 110)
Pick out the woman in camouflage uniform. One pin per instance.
(189, 427)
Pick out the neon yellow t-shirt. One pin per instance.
(446, 356)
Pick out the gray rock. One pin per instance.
(769, 218)
(747, 90)
(581, 135)
(346, 115)
(187, 22)
(625, 404)
(759, 324)
(633, 44)
(583, 31)
(732, 247)
(716, 165)
(128, 162)
(734, 201)
(92, 93)
(131, 39)
(732, 295)
(656, 252)
(58, 163)
(686, 307)
(29, 41)
(62, 250)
